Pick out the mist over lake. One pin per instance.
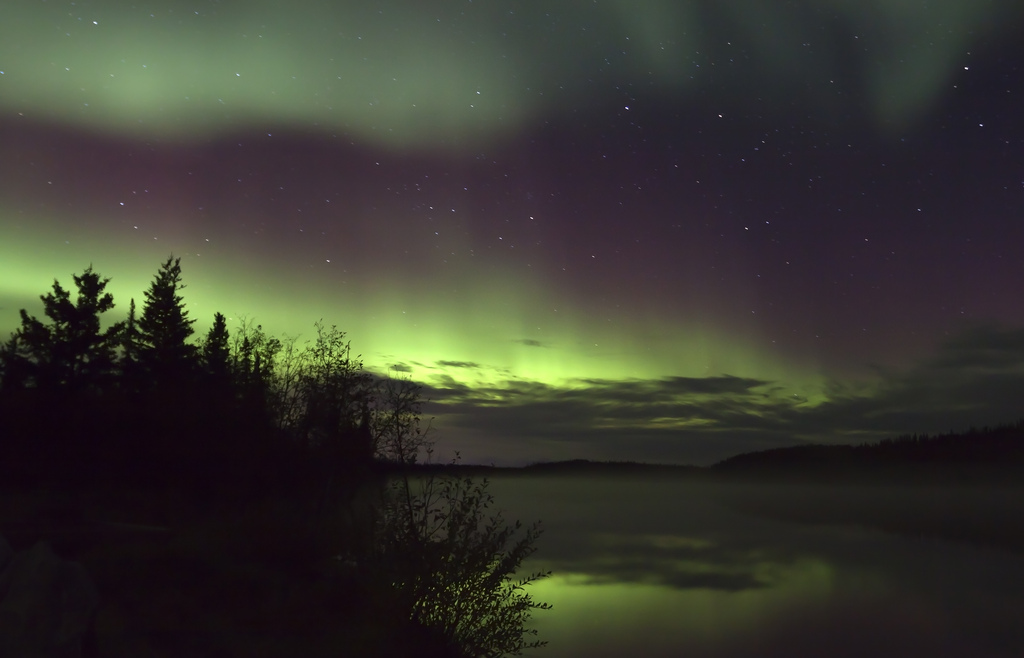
(671, 566)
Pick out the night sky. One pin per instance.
(664, 231)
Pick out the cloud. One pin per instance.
(973, 379)
(981, 349)
(612, 419)
(529, 342)
(457, 364)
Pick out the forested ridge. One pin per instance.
(143, 401)
(997, 450)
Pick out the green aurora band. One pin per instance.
(407, 74)
(488, 332)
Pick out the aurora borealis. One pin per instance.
(659, 231)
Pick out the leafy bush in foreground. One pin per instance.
(447, 560)
(452, 564)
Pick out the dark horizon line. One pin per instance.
(905, 442)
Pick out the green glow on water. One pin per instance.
(592, 617)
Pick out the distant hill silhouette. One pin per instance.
(985, 451)
(587, 467)
(583, 467)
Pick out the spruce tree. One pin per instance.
(164, 326)
(217, 349)
(70, 351)
(129, 342)
(130, 336)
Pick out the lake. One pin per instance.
(677, 567)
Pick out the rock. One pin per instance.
(47, 605)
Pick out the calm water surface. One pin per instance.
(657, 567)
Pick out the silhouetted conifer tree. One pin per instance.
(164, 326)
(64, 366)
(219, 391)
(130, 344)
(217, 349)
(71, 351)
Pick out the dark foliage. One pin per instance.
(71, 351)
(216, 351)
(138, 405)
(164, 328)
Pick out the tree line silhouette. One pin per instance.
(977, 451)
(141, 402)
